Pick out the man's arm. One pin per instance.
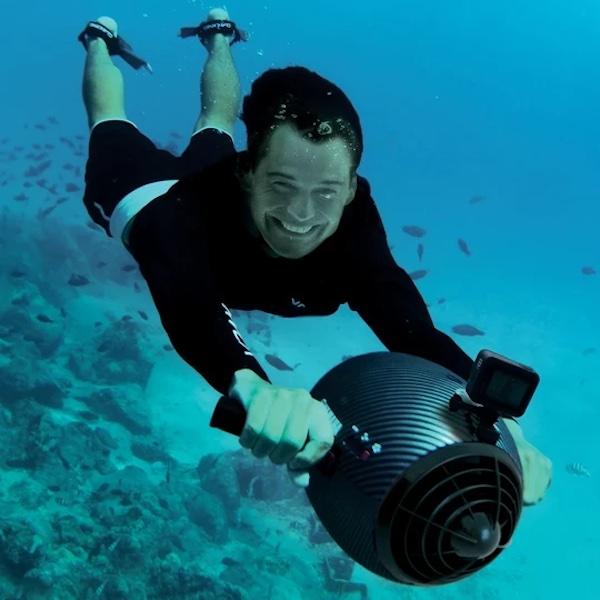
(389, 302)
(220, 93)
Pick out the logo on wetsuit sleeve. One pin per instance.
(298, 303)
(236, 334)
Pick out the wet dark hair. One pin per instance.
(315, 106)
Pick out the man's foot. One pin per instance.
(109, 23)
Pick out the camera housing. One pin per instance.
(501, 384)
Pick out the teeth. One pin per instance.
(295, 229)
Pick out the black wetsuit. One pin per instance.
(200, 260)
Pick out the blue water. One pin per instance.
(457, 99)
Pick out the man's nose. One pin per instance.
(301, 207)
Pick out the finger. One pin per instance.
(300, 478)
(320, 434)
(258, 411)
(294, 435)
(270, 436)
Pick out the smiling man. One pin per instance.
(286, 226)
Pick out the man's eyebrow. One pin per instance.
(286, 176)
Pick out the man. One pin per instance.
(287, 227)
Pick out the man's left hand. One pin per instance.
(537, 468)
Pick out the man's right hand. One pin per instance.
(279, 421)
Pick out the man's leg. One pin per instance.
(220, 94)
(102, 81)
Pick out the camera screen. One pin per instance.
(506, 389)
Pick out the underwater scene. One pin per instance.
(300, 300)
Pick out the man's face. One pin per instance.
(299, 184)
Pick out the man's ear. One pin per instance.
(352, 192)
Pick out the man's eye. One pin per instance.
(281, 185)
(327, 194)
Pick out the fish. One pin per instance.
(143, 315)
(34, 171)
(420, 249)
(128, 268)
(52, 120)
(276, 362)
(463, 247)
(44, 319)
(17, 273)
(168, 348)
(476, 199)
(71, 187)
(414, 275)
(42, 214)
(441, 300)
(578, 469)
(78, 280)
(136, 286)
(465, 329)
(414, 230)
(588, 270)
(21, 197)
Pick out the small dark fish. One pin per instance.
(136, 286)
(588, 270)
(168, 348)
(71, 187)
(126, 318)
(143, 315)
(68, 167)
(476, 199)
(128, 268)
(44, 319)
(463, 247)
(42, 214)
(441, 300)
(78, 280)
(418, 274)
(578, 469)
(276, 362)
(21, 197)
(17, 273)
(40, 126)
(52, 120)
(465, 329)
(420, 249)
(414, 230)
(97, 323)
(230, 562)
(28, 184)
(63, 312)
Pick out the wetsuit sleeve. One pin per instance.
(171, 251)
(389, 302)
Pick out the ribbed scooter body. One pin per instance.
(398, 513)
